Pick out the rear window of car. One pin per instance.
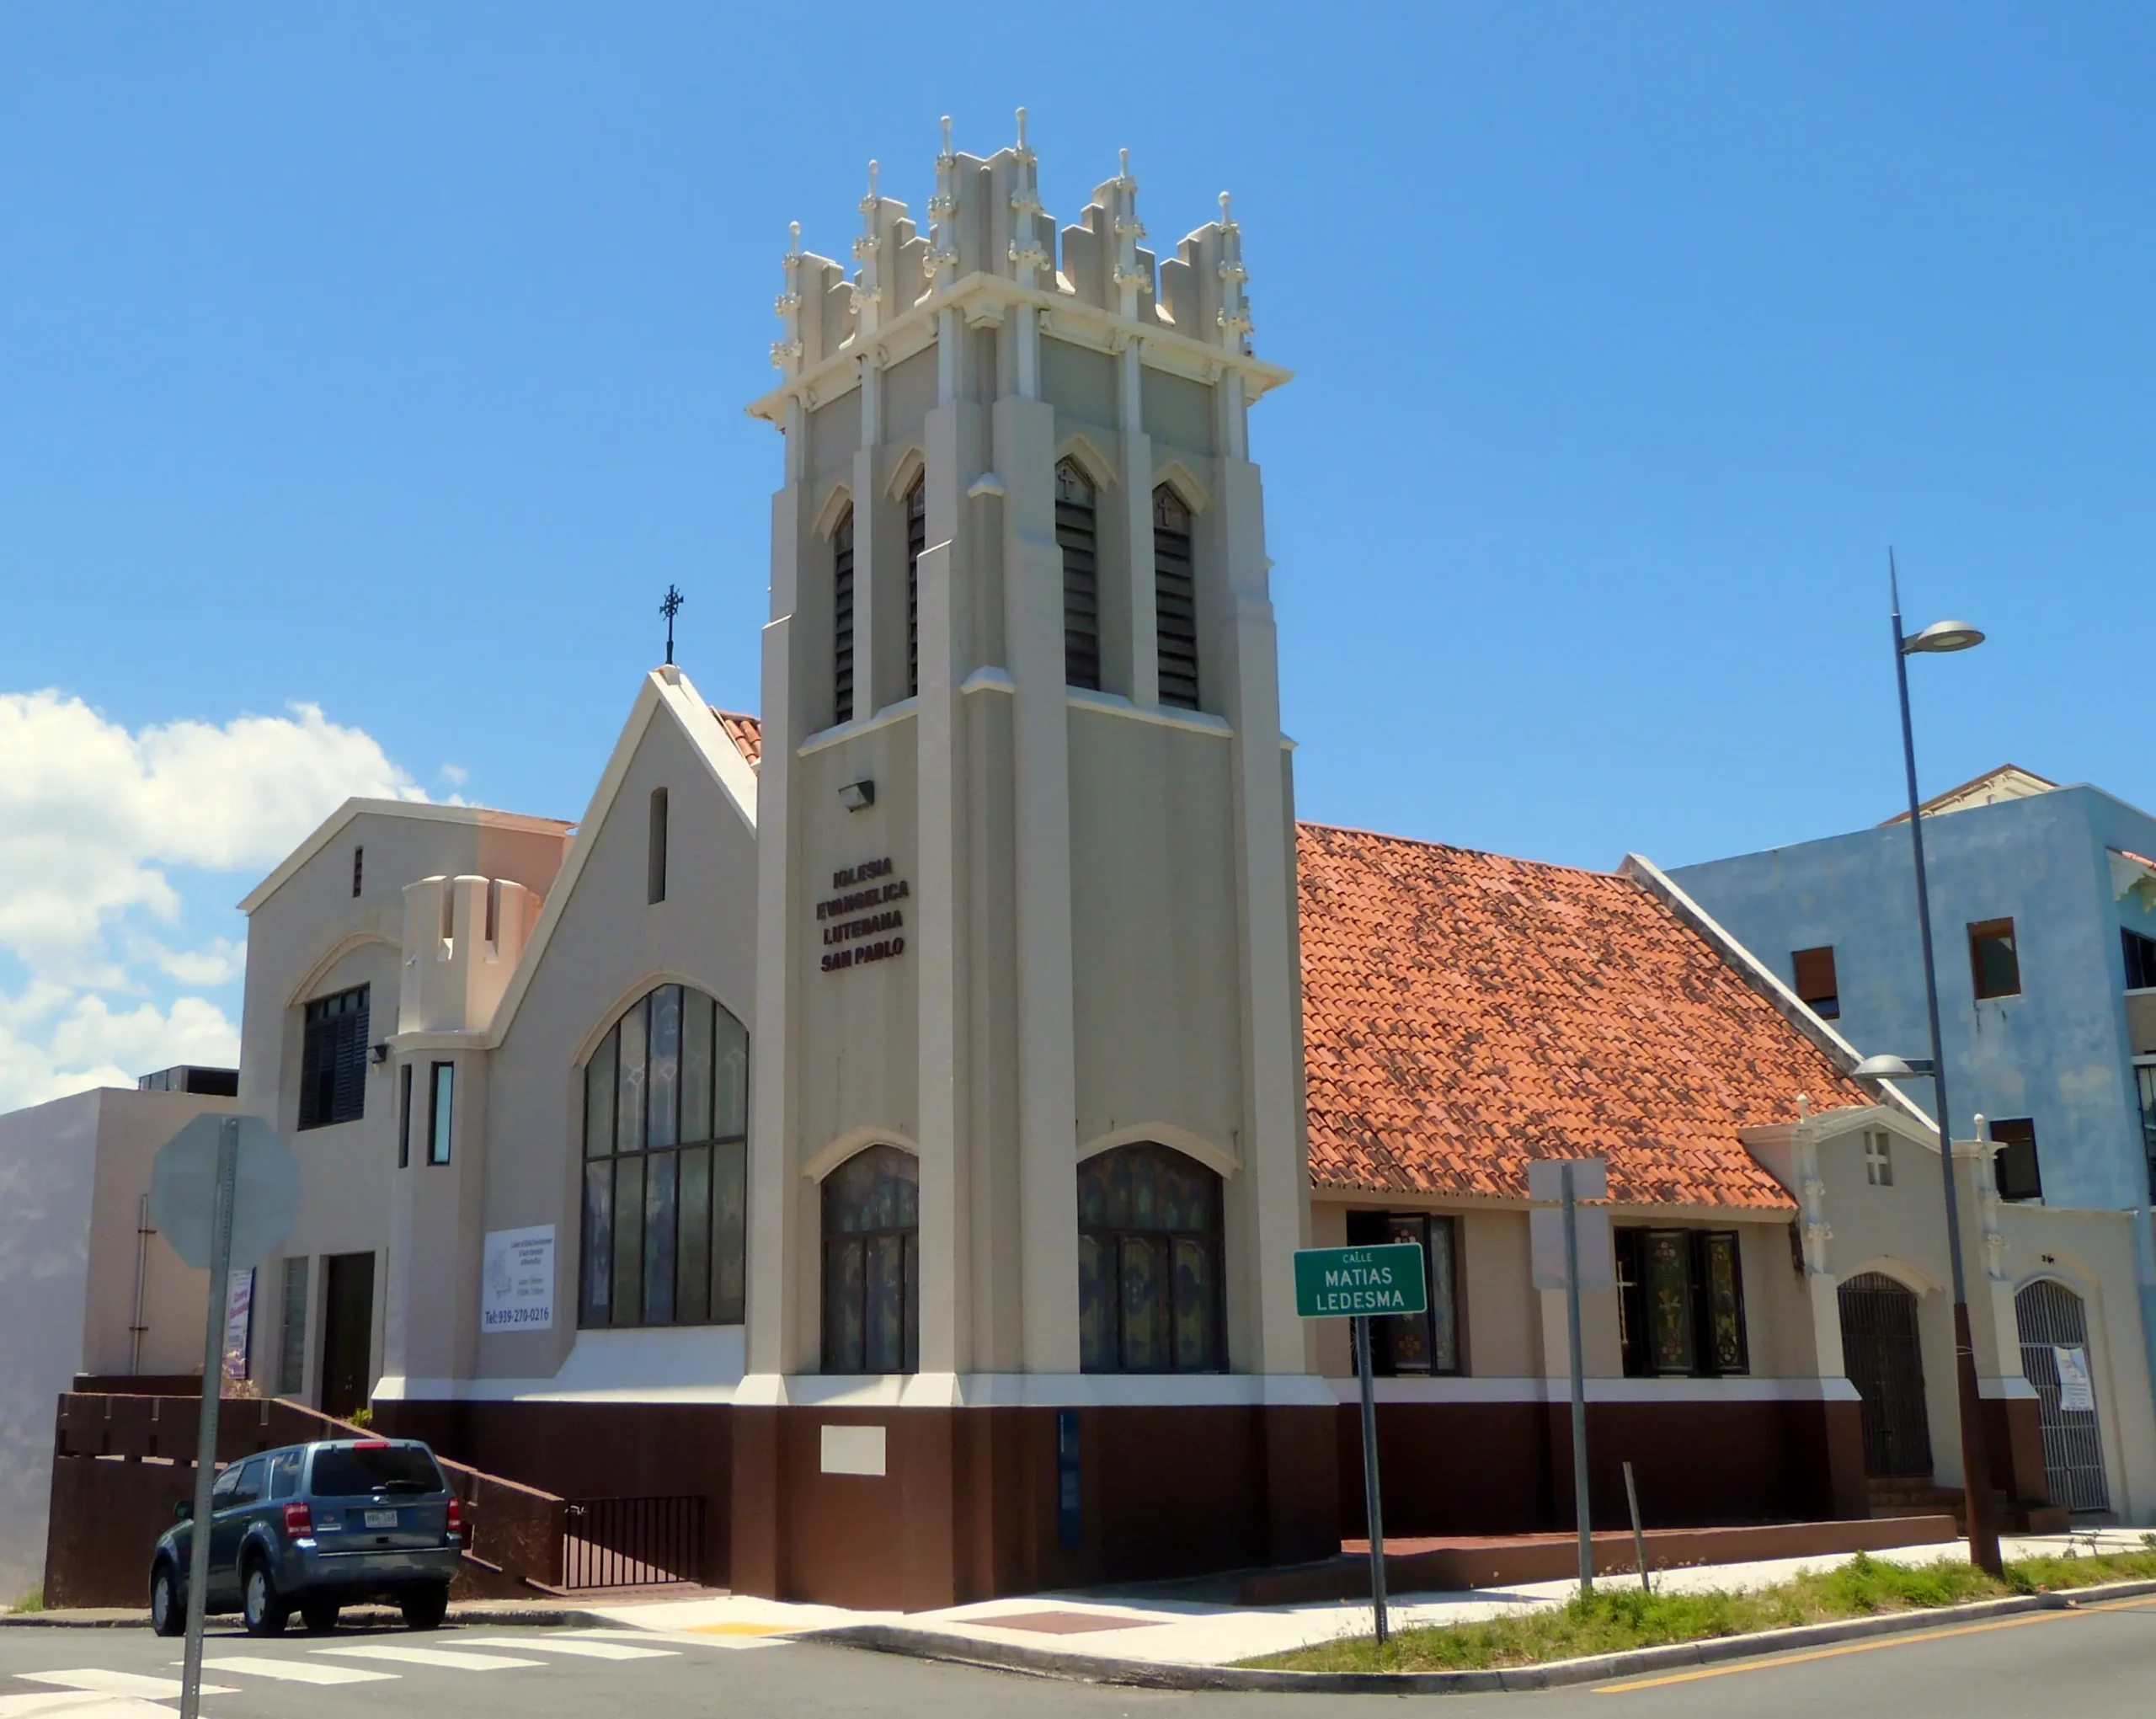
(396, 1468)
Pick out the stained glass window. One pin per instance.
(665, 1128)
(872, 1263)
(1681, 1303)
(1415, 1345)
(1149, 1264)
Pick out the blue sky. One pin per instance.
(389, 359)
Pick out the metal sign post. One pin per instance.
(223, 1192)
(205, 1443)
(1583, 1515)
(1576, 1257)
(1363, 1283)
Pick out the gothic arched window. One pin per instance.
(842, 620)
(1149, 1264)
(872, 1263)
(1175, 600)
(916, 540)
(1076, 535)
(665, 1132)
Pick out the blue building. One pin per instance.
(2043, 902)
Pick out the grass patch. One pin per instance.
(1615, 1620)
(32, 1599)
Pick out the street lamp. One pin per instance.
(1939, 637)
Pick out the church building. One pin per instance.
(888, 1119)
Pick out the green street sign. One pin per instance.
(1331, 1281)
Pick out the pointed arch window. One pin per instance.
(1149, 1264)
(666, 1189)
(1076, 535)
(842, 620)
(917, 540)
(1175, 600)
(872, 1263)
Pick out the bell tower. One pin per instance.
(1027, 1161)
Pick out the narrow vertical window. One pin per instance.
(2140, 960)
(441, 1099)
(1175, 600)
(872, 1263)
(655, 859)
(842, 620)
(404, 1116)
(1878, 1158)
(1075, 535)
(291, 1347)
(917, 540)
(359, 869)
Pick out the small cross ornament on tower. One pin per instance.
(669, 609)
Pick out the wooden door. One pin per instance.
(347, 1333)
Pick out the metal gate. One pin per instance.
(1882, 1356)
(2052, 1318)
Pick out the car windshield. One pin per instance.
(385, 1468)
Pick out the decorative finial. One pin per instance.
(946, 134)
(1226, 219)
(1123, 159)
(793, 232)
(942, 255)
(1022, 131)
(669, 608)
(1803, 1106)
(786, 350)
(1026, 253)
(1233, 317)
(871, 178)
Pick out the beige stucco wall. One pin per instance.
(606, 949)
(311, 937)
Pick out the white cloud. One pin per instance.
(456, 775)
(96, 822)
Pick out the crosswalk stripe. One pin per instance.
(581, 1649)
(296, 1670)
(96, 1680)
(81, 1703)
(432, 1656)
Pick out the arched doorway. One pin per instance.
(1883, 1359)
(2052, 1319)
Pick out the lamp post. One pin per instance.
(1943, 635)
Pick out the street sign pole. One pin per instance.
(1383, 1280)
(205, 1445)
(1579, 1380)
(1370, 1500)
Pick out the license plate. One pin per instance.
(381, 1519)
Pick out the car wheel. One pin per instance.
(264, 1608)
(424, 1608)
(167, 1602)
(319, 1615)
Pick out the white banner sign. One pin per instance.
(2075, 1390)
(239, 1322)
(517, 1281)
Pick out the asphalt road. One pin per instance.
(2091, 1665)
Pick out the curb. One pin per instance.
(505, 1617)
(1085, 1668)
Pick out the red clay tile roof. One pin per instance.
(1464, 1013)
(747, 732)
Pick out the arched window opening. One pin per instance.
(1149, 1264)
(665, 1170)
(1175, 600)
(842, 620)
(917, 540)
(872, 1263)
(1075, 535)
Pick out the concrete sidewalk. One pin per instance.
(1189, 1632)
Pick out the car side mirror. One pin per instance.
(184, 1511)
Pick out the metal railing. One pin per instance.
(632, 1542)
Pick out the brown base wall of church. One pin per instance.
(1507, 1467)
(968, 1505)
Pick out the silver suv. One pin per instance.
(315, 1528)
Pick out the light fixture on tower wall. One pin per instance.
(858, 796)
